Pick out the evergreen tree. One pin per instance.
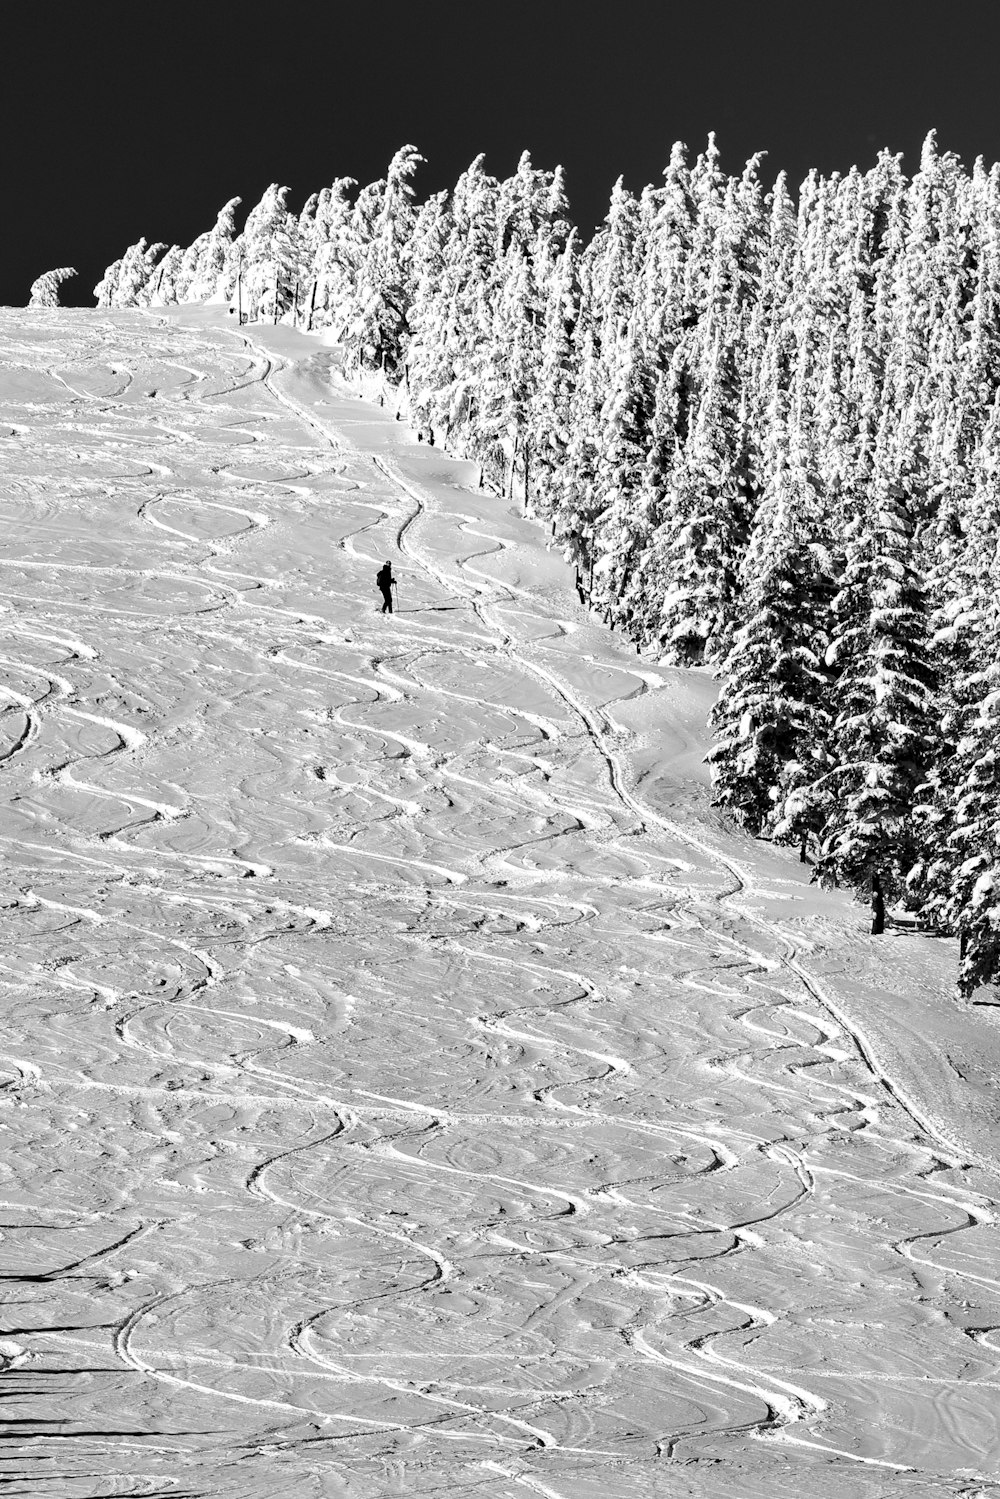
(211, 276)
(972, 906)
(451, 318)
(514, 370)
(266, 258)
(383, 223)
(881, 734)
(620, 526)
(331, 257)
(126, 283)
(106, 287)
(705, 531)
(162, 285)
(772, 720)
(605, 344)
(544, 451)
(185, 277)
(45, 291)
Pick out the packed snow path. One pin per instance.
(410, 1087)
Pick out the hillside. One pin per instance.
(412, 1084)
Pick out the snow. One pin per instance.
(410, 1084)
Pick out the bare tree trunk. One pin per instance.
(312, 305)
(239, 298)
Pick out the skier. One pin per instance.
(386, 583)
(878, 907)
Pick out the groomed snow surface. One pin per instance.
(410, 1086)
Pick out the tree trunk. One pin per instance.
(312, 305)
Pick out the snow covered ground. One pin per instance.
(410, 1087)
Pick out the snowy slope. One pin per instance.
(411, 1087)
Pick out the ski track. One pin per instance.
(402, 1091)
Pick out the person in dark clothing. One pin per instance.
(386, 583)
(878, 908)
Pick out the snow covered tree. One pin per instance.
(621, 524)
(331, 254)
(957, 876)
(185, 275)
(383, 222)
(881, 738)
(266, 257)
(212, 275)
(105, 288)
(452, 315)
(45, 291)
(126, 282)
(972, 908)
(162, 285)
(705, 528)
(772, 718)
(606, 338)
(544, 450)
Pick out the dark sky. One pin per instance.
(121, 119)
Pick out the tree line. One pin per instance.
(766, 431)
